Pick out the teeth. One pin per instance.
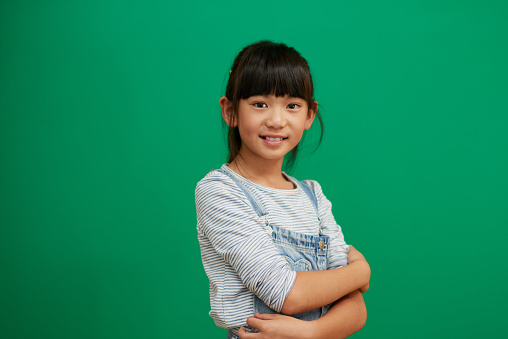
(273, 139)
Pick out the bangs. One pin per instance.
(271, 69)
(274, 78)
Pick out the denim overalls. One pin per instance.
(303, 252)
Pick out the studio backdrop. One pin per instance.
(109, 116)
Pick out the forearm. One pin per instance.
(347, 316)
(313, 289)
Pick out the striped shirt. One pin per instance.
(238, 254)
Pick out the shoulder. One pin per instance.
(213, 178)
(322, 202)
(221, 204)
(217, 186)
(324, 207)
(314, 186)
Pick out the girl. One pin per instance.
(276, 259)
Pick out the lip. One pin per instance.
(273, 136)
(272, 142)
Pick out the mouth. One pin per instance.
(272, 138)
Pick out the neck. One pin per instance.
(256, 170)
(263, 172)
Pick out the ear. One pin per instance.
(311, 114)
(227, 111)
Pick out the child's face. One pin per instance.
(271, 126)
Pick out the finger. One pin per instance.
(243, 334)
(266, 316)
(254, 322)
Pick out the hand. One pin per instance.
(355, 255)
(276, 326)
(364, 289)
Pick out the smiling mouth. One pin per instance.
(272, 139)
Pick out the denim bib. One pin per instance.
(303, 252)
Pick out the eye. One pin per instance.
(260, 105)
(293, 106)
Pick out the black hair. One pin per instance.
(268, 68)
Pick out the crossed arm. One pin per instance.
(312, 289)
(218, 222)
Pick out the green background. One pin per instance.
(110, 116)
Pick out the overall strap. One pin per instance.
(254, 202)
(309, 193)
(313, 199)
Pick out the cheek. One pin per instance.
(299, 138)
(248, 127)
(299, 125)
(298, 130)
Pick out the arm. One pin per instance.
(250, 251)
(355, 255)
(234, 237)
(313, 289)
(345, 317)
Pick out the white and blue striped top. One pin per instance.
(239, 256)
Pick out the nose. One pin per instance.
(276, 118)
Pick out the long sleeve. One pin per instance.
(228, 227)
